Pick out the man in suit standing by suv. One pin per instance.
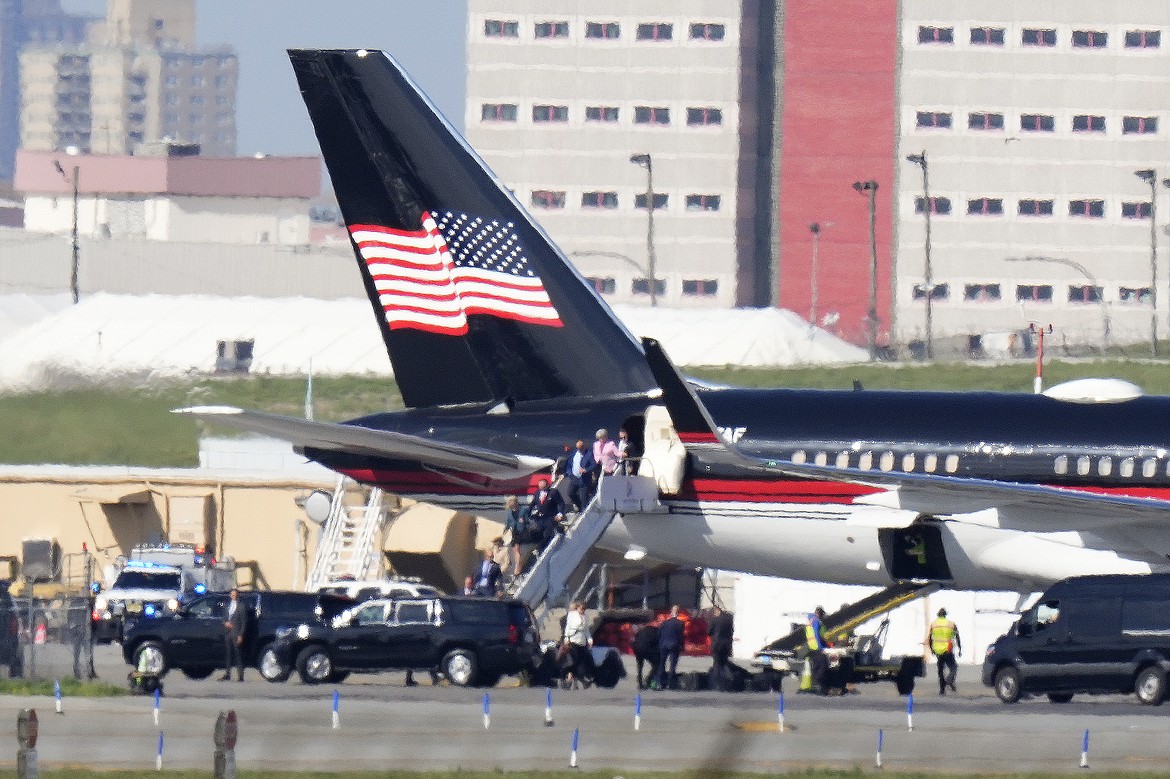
(236, 626)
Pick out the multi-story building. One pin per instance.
(139, 78)
(610, 120)
(1028, 121)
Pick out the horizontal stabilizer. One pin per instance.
(304, 433)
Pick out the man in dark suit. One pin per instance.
(547, 508)
(581, 473)
(487, 578)
(670, 644)
(235, 627)
(721, 628)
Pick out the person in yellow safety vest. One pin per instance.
(943, 640)
(815, 640)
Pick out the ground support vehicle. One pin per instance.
(1087, 634)
(471, 641)
(191, 639)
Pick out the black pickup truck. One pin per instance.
(192, 640)
(472, 641)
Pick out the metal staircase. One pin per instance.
(348, 545)
(546, 583)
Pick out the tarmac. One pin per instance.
(383, 724)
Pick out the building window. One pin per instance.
(982, 293)
(1087, 123)
(936, 34)
(1094, 209)
(551, 30)
(1037, 123)
(1084, 293)
(171, 81)
(1132, 295)
(704, 116)
(655, 31)
(642, 286)
(1039, 293)
(1139, 125)
(1143, 39)
(498, 28)
(603, 30)
(938, 205)
(660, 200)
(1135, 210)
(702, 31)
(599, 200)
(938, 119)
(937, 291)
(197, 80)
(651, 115)
(1038, 37)
(601, 113)
(1035, 207)
(702, 202)
(987, 36)
(704, 288)
(985, 121)
(1089, 39)
(604, 285)
(196, 99)
(985, 205)
(171, 99)
(498, 112)
(550, 113)
(545, 198)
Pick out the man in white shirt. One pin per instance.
(578, 641)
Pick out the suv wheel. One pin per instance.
(1007, 684)
(149, 658)
(314, 665)
(1151, 686)
(270, 666)
(460, 667)
(1060, 697)
(198, 672)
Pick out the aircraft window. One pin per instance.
(1060, 465)
(1083, 466)
(1105, 466)
(886, 463)
(821, 458)
(952, 463)
(799, 456)
(865, 462)
(930, 463)
(842, 459)
(1149, 467)
(1126, 469)
(908, 462)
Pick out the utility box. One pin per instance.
(234, 356)
(38, 559)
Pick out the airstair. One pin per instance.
(349, 541)
(836, 625)
(545, 583)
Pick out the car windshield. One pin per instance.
(149, 580)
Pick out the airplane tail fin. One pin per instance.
(692, 421)
(474, 301)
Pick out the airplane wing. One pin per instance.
(305, 433)
(1009, 505)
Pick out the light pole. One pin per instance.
(73, 276)
(1150, 176)
(869, 189)
(815, 229)
(928, 276)
(1088, 277)
(651, 260)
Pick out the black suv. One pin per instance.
(472, 641)
(11, 653)
(192, 639)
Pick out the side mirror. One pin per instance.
(1022, 628)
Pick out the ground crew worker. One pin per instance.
(815, 641)
(943, 639)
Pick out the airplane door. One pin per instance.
(915, 553)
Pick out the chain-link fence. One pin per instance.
(47, 637)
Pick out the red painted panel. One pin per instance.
(837, 127)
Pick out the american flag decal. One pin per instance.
(434, 278)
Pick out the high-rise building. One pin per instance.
(139, 78)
